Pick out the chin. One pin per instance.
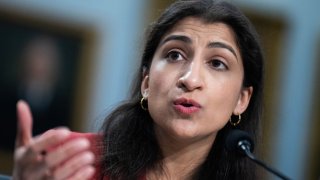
(185, 130)
(190, 132)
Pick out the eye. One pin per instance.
(174, 56)
(218, 64)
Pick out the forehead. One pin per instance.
(198, 28)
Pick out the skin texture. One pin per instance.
(199, 64)
(36, 159)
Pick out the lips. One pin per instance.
(186, 106)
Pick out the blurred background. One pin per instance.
(73, 61)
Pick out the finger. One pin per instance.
(66, 151)
(83, 173)
(33, 153)
(24, 132)
(30, 170)
(49, 139)
(73, 165)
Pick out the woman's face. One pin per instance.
(195, 80)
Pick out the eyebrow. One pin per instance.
(222, 45)
(187, 40)
(177, 38)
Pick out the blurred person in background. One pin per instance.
(38, 82)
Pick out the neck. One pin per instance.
(181, 157)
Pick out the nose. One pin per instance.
(191, 79)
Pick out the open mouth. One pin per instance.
(186, 106)
(186, 102)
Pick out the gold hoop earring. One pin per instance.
(235, 123)
(142, 101)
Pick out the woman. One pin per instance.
(201, 76)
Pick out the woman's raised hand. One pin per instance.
(50, 155)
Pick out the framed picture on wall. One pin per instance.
(42, 62)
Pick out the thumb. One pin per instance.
(24, 129)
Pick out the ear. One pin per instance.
(243, 100)
(145, 86)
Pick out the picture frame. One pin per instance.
(48, 63)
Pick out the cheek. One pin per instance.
(157, 85)
(223, 98)
(161, 85)
(159, 78)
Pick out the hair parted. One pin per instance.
(130, 146)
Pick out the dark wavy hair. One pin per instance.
(130, 145)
